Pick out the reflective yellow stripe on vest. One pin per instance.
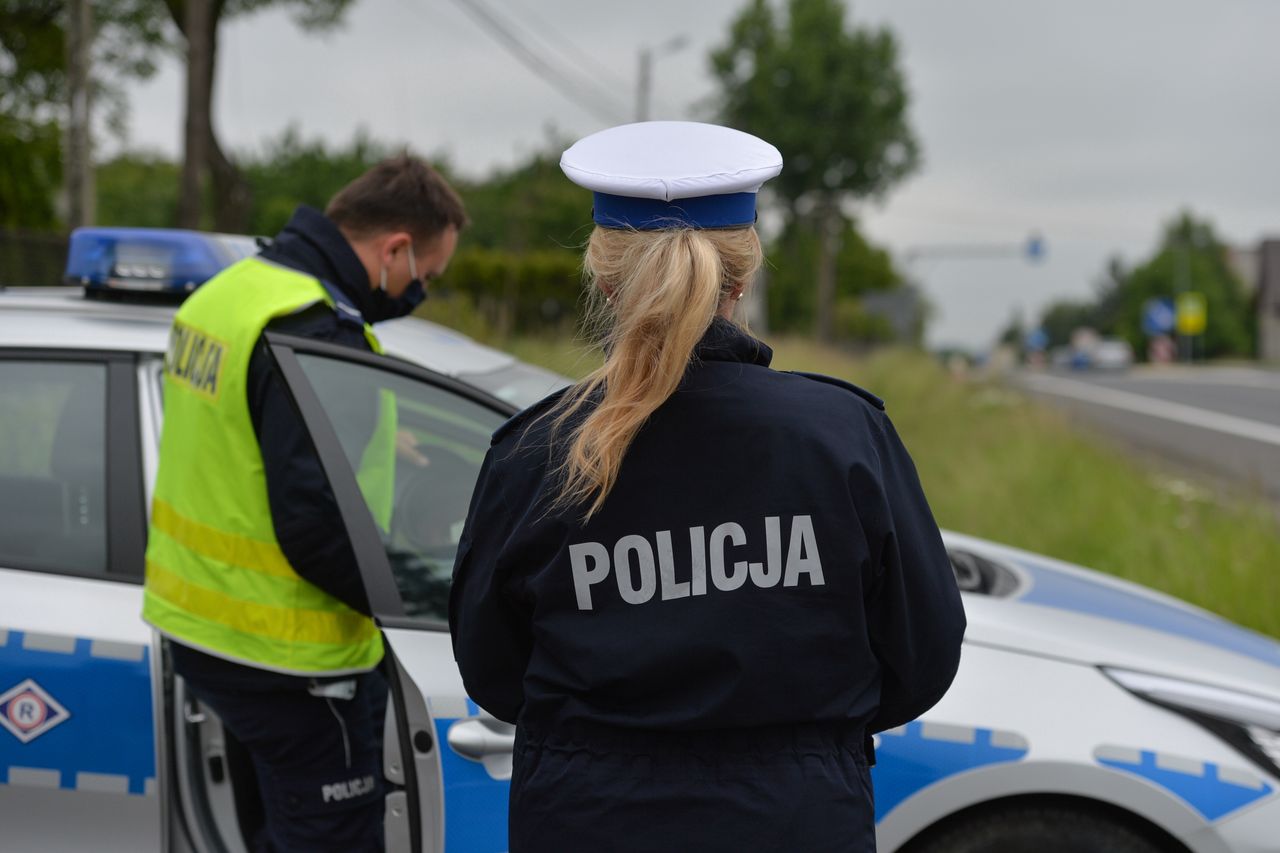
(216, 577)
(265, 557)
(265, 620)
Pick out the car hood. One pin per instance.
(439, 348)
(1059, 610)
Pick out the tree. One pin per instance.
(30, 172)
(197, 21)
(129, 36)
(834, 102)
(1062, 318)
(291, 170)
(860, 268)
(519, 267)
(521, 262)
(32, 58)
(34, 91)
(529, 207)
(1190, 258)
(1110, 289)
(137, 189)
(1014, 333)
(141, 188)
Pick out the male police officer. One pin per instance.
(248, 572)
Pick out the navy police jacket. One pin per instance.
(766, 558)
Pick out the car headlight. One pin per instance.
(1249, 723)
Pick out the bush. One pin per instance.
(511, 292)
(31, 257)
(139, 190)
(854, 324)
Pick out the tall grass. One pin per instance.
(998, 465)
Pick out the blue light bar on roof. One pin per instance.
(151, 259)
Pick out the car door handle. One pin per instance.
(486, 740)
(480, 737)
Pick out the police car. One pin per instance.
(1088, 713)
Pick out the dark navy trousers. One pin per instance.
(318, 758)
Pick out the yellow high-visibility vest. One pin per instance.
(216, 579)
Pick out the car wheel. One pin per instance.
(1036, 829)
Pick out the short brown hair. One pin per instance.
(402, 193)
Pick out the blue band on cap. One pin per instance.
(651, 214)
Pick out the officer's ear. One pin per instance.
(390, 245)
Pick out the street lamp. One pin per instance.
(1034, 250)
(644, 77)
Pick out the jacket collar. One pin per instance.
(727, 341)
(312, 244)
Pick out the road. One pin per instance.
(1221, 419)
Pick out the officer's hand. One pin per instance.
(407, 448)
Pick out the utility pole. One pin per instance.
(644, 72)
(1186, 343)
(831, 224)
(199, 29)
(79, 156)
(644, 83)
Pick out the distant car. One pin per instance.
(1089, 714)
(1098, 354)
(1111, 354)
(1061, 358)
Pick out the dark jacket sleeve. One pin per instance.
(304, 512)
(914, 613)
(492, 639)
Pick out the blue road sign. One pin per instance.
(1158, 316)
(1036, 248)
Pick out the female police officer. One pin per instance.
(697, 585)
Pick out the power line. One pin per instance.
(568, 47)
(573, 89)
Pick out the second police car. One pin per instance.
(1088, 713)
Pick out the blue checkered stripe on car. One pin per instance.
(1211, 790)
(913, 757)
(96, 732)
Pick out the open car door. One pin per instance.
(447, 765)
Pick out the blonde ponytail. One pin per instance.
(655, 294)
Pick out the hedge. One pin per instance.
(516, 292)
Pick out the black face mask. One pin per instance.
(385, 307)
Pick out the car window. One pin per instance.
(416, 449)
(53, 466)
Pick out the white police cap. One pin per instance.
(663, 174)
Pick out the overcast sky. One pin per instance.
(1092, 122)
